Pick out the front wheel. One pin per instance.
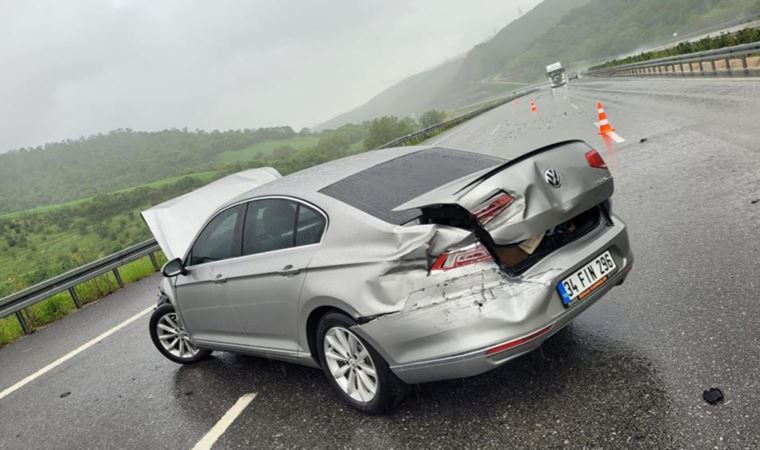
(356, 370)
(170, 337)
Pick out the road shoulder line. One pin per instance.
(9, 390)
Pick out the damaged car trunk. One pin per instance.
(523, 209)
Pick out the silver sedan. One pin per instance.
(390, 267)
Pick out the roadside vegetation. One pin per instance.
(97, 220)
(745, 36)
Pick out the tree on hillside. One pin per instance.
(385, 129)
(332, 145)
(432, 117)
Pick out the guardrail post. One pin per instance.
(701, 68)
(715, 68)
(75, 296)
(744, 64)
(153, 261)
(22, 321)
(118, 277)
(728, 67)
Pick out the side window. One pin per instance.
(310, 226)
(269, 225)
(275, 224)
(217, 240)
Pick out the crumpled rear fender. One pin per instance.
(482, 306)
(374, 279)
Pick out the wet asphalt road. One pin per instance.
(627, 373)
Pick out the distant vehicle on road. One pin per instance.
(556, 74)
(390, 267)
(573, 76)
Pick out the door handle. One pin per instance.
(220, 279)
(289, 270)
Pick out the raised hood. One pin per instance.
(175, 223)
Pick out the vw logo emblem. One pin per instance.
(552, 177)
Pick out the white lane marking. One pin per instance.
(494, 130)
(615, 137)
(71, 354)
(576, 108)
(220, 427)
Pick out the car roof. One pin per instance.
(349, 180)
(307, 181)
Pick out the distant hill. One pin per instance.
(396, 100)
(576, 32)
(607, 28)
(74, 169)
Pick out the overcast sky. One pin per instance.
(74, 68)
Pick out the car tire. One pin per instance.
(170, 338)
(354, 368)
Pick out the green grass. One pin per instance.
(265, 148)
(61, 304)
(10, 330)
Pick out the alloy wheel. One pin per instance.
(173, 337)
(350, 364)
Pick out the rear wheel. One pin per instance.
(356, 370)
(170, 337)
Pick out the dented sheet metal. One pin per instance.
(538, 205)
(456, 314)
(451, 313)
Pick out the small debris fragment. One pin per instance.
(757, 200)
(713, 395)
(66, 394)
(188, 393)
(642, 140)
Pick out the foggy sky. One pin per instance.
(75, 68)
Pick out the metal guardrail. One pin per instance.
(429, 132)
(15, 303)
(676, 66)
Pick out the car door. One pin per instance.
(280, 236)
(202, 297)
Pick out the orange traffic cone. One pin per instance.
(533, 106)
(604, 124)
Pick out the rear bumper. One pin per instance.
(485, 309)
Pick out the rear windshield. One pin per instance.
(381, 188)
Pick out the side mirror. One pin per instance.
(173, 268)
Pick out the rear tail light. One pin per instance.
(463, 257)
(519, 341)
(595, 159)
(493, 208)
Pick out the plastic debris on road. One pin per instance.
(713, 396)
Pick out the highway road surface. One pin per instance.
(630, 372)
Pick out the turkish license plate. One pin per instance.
(586, 279)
